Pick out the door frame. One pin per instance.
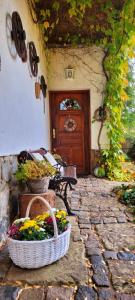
(87, 122)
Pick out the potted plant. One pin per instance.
(36, 174)
(100, 171)
(40, 241)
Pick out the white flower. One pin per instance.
(21, 220)
(41, 229)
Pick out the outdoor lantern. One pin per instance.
(69, 72)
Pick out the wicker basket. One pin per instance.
(36, 254)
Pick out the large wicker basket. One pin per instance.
(36, 254)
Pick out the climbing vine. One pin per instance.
(119, 50)
(117, 38)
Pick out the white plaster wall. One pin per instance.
(23, 124)
(88, 76)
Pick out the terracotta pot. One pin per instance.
(38, 207)
(38, 186)
(37, 90)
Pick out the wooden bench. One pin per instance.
(65, 177)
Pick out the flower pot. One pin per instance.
(99, 172)
(37, 90)
(39, 185)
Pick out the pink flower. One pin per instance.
(49, 220)
(13, 230)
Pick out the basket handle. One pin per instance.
(49, 208)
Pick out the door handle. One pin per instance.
(54, 133)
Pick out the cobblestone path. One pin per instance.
(100, 264)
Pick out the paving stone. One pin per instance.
(115, 208)
(94, 209)
(109, 220)
(94, 215)
(83, 193)
(97, 260)
(126, 256)
(85, 292)
(95, 221)
(110, 255)
(105, 294)
(77, 238)
(9, 292)
(108, 214)
(119, 214)
(74, 207)
(85, 231)
(100, 276)
(92, 242)
(125, 297)
(117, 237)
(130, 216)
(84, 237)
(60, 293)
(82, 214)
(85, 226)
(121, 220)
(122, 275)
(71, 269)
(84, 208)
(84, 220)
(33, 294)
(93, 251)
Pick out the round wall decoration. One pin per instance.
(70, 125)
(43, 85)
(101, 113)
(19, 36)
(34, 59)
(10, 41)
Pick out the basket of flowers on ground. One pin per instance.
(40, 241)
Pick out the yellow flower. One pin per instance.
(29, 224)
(58, 216)
(46, 24)
(64, 221)
(61, 214)
(42, 217)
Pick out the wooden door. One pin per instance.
(70, 132)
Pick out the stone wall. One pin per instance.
(8, 193)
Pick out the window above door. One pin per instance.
(69, 103)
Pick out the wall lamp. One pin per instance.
(69, 73)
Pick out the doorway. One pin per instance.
(70, 127)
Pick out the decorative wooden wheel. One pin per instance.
(10, 42)
(34, 59)
(43, 85)
(19, 36)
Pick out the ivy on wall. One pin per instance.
(119, 50)
(118, 43)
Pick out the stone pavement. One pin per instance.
(100, 264)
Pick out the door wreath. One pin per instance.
(70, 125)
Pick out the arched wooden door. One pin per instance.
(70, 127)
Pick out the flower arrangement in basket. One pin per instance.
(40, 241)
(36, 174)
